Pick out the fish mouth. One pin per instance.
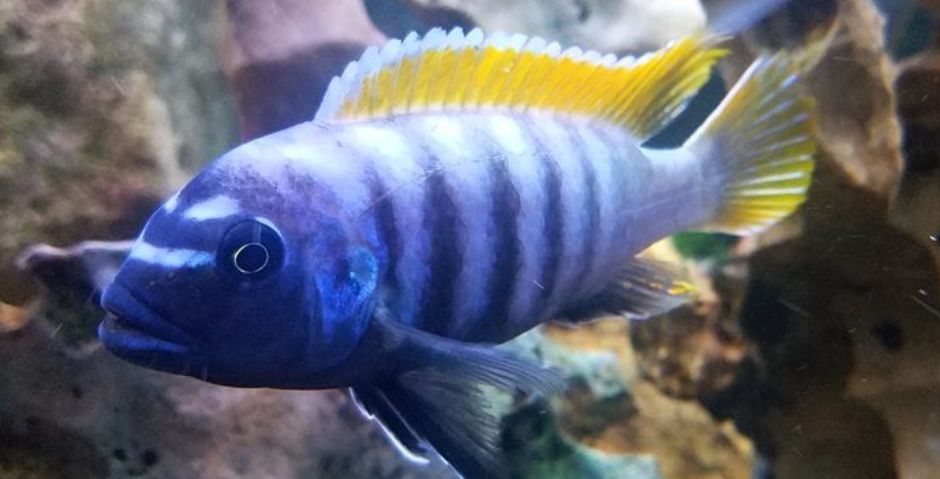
(131, 329)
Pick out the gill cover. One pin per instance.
(345, 277)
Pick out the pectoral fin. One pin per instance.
(438, 399)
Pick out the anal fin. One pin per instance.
(643, 288)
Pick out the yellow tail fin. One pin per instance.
(758, 147)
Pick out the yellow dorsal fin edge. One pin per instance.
(458, 71)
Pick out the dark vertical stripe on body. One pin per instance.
(440, 222)
(554, 224)
(383, 211)
(592, 209)
(504, 211)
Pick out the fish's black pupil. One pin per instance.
(251, 258)
(250, 252)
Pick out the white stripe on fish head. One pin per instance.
(170, 258)
(216, 207)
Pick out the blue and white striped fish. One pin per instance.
(454, 191)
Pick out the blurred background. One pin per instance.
(813, 352)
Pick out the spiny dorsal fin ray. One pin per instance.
(457, 71)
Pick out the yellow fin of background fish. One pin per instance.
(758, 145)
(457, 71)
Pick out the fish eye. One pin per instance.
(250, 251)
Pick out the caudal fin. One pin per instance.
(758, 147)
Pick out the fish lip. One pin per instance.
(128, 316)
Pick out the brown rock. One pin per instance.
(693, 352)
(681, 436)
(90, 139)
(918, 87)
(914, 422)
(859, 131)
(840, 308)
(281, 55)
(934, 5)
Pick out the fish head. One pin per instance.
(223, 285)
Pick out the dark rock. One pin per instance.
(918, 86)
(37, 449)
(397, 18)
(833, 308)
(890, 334)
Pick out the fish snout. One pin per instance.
(130, 322)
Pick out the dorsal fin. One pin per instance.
(457, 71)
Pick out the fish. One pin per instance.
(453, 191)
